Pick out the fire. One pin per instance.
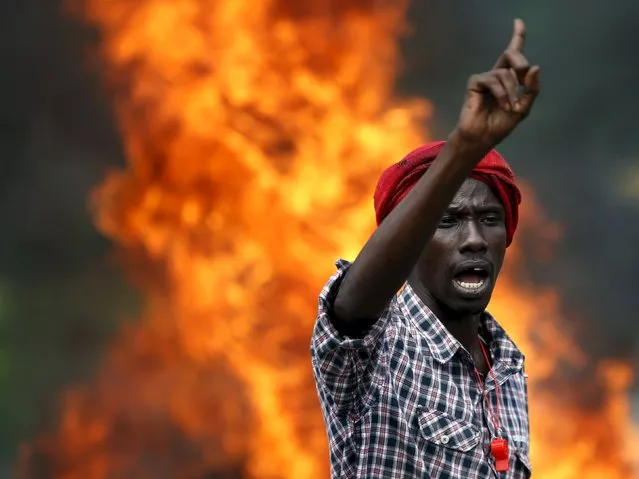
(255, 132)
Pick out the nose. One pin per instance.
(472, 239)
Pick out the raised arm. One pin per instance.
(496, 102)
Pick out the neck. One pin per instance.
(463, 326)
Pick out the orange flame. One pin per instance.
(255, 132)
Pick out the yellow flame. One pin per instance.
(255, 132)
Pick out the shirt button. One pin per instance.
(444, 440)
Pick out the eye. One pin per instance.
(447, 221)
(492, 219)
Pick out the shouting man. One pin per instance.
(415, 378)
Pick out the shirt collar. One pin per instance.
(442, 344)
(502, 346)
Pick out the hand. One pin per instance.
(498, 100)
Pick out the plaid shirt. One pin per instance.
(404, 401)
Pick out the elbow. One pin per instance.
(350, 324)
(352, 316)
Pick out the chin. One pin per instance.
(468, 305)
(474, 308)
(464, 308)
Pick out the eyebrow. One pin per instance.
(489, 208)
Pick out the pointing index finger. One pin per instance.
(519, 36)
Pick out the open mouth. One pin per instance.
(472, 279)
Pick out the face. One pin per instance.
(459, 266)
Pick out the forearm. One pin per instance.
(390, 254)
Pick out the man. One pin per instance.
(423, 383)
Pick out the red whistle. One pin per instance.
(499, 450)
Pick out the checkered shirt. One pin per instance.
(404, 401)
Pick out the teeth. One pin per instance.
(466, 285)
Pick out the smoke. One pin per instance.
(575, 146)
(57, 138)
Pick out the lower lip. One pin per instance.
(471, 290)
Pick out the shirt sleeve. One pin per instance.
(346, 369)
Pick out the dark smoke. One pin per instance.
(573, 148)
(57, 138)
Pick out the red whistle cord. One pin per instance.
(498, 446)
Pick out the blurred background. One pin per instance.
(72, 293)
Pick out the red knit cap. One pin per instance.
(398, 179)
